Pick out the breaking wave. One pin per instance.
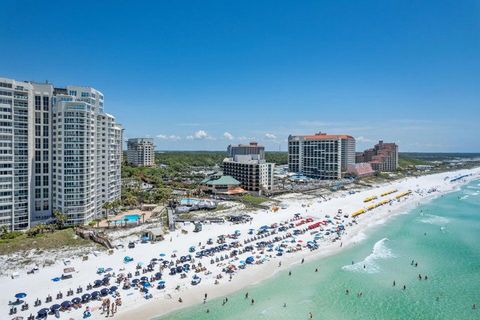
(433, 219)
(369, 264)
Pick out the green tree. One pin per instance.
(60, 219)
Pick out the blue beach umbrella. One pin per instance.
(66, 304)
(113, 288)
(42, 313)
(162, 254)
(55, 307)
(76, 300)
(86, 297)
(104, 291)
(95, 294)
(20, 295)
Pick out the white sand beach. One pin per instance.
(135, 306)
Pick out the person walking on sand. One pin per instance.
(303, 260)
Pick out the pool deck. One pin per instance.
(104, 224)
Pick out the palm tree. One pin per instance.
(60, 218)
(106, 206)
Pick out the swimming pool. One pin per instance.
(130, 218)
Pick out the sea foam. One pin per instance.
(433, 219)
(369, 265)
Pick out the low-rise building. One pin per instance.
(363, 169)
(218, 183)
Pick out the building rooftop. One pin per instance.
(220, 180)
(324, 136)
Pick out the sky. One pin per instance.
(199, 75)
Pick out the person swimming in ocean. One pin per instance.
(253, 301)
(289, 273)
(419, 276)
(404, 287)
(394, 283)
(347, 292)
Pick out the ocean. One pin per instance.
(443, 239)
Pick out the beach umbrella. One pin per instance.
(97, 282)
(113, 288)
(242, 262)
(158, 275)
(95, 294)
(104, 291)
(42, 313)
(55, 307)
(86, 297)
(56, 279)
(20, 295)
(161, 282)
(76, 300)
(135, 281)
(145, 284)
(66, 304)
(144, 278)
(162, 254)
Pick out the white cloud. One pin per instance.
(228, 136)
(200, 135)
(363, 139)
(270, 136)
(171, 137)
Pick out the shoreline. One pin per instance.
(165, 302)
(156, 309)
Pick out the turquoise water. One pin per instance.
(131, 218)
(443, 236)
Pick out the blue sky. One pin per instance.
(198, 75)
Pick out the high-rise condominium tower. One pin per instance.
(58, 151)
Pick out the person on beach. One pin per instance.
(180, 299)
(246, 295)
(279, 264)
(303, 260)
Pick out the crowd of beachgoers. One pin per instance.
(152, 278)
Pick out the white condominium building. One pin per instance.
(58, 151)
(86, 154)
(141, 152)
(321, 156)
